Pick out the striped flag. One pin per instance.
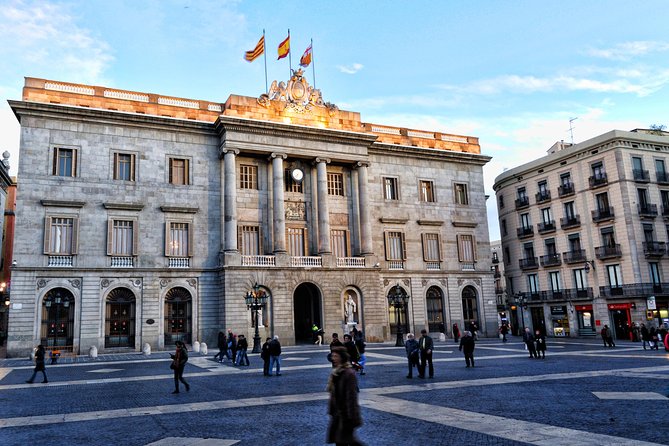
(284, 48)
(305, 60)
(256, 52)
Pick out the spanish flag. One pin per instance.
(284, 48)
(256, 52)
(305, 60)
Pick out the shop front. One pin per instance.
(560, 320)
(619, 315)
(658, 311)
(586, 320)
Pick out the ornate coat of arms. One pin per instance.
(298, 95)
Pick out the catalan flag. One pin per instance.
(284, 48)
(305, 60)
(256, 52)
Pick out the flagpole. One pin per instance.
(290, 59)
(264, 51)
(313, 63)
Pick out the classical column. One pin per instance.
(323, 211)
(279, 211)
(230, 200)
(363, 200)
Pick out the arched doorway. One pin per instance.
(178, 316)
(307, 311)
(435, 310)
(58, 319)
(470, 312)
(120, 318)
(398, 309)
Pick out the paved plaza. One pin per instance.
(581, 394)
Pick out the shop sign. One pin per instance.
(619, 306)
(583, 307)
(650, 303)
(558, 310)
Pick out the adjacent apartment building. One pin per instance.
(584, 235)
(145, 219)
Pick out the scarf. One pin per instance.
(335, 374)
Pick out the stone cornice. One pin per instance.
(464, 224)
(63, 203)
(124, 206)
(431, 222)
(179, 209)
(429, 154)
(394, 220)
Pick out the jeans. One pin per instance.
(272, 361)
(242, 357)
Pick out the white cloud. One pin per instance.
(627, 50)
(350, 69)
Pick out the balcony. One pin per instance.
(598, 180)
(577, 256)
(654, 249)
(359, 262)
(635, 290)
(178, 262)
(395, 264)
(258, 261)
(608, 252)
(665, 212)
(467, 266)
(566, 190)
(543, 196)
(60, 261)
(551, 260)
(525, 232)
(522, 202)
(570, 222)
(603, 214)
(641, 176)
(306, 261)
(662, 177)
(547, 226)
(122, 262)
(567, 294)
(528, 263)
(432, 266)
(647, 210)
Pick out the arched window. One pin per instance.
(469, 305)
(58, 319)
(435, 309)
(120, 318)
(178, 316)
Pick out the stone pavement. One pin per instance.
(581, 394)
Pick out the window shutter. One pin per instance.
(55, 161)
(458, 241)
(439, 247)
(135, 237)
(387, 242)
(167, 239)
(132, 167)
(240, 240)
(74, 163)
(110, 235)
(307, 251)
(75, 235)
(187, 177)
(47, 235)
(474, 248)
(425, 247)
(190, 239)
(404, 246)
(348, 244)
(169, 162)
(261, 245)
(116, 169)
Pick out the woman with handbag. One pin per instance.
(179, 360)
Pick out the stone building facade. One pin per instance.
(143, 218)
(584, 235)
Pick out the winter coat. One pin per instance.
(411, 346)
(352, 351)
(540, 340)
(343, 407)
(528, 337)
(274, 347)
(39, 359)
(264, 354)
(242, 344)
(467, 344)
(222, 341)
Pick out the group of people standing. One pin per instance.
(419, 354)
(535, 343)
(232, 347)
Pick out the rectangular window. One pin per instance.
(556, 282)
(179, 240)
(522, 193)
(547, 215)
(525, 222)
(615, 276)
(466, 248)
(533, 283)
(654, 273)
(248, 176)
(648, 232)
(665, 200)
(598, 170)
(569, 212)
(395, 245)
(179, 173)
(462, 197)
(64, 162)
(427, 191)
(501, 201)
(249, 240)
(580, 279)
(292, 185)
(574, 241)
(529, 250)
(60, 235)
(336, 184)
(390, 189)
(297, 242)
(339, 241)
(121, 238)
(431, 247)
(565, 179)
(504, 231)
(124, 166)
(549, 243)
(660, 171)
(637, 163)
(608, 238)
(643, 197)
(602, 201)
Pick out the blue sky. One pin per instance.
(509, 72)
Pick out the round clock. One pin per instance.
(297, 175)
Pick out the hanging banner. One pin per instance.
(650, 303)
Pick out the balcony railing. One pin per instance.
(306, 261)
(654, 249)
(60, 260)
(258, 260)
(122, 262)
(665, 211)
(551, 260)
(635, 290)
(395, 264)
(546, 226)
(603, 214)
(525, 231)
(641, 176)
(662, 177)
(607, 252)
(598, 180)
(577, 256)
(350, 262)
(567, 294)
(566, 189)
(647, 210)
(467, 266)
(543, 196)
(529, 263)
(570, 222)
(433, 266)
(522, 202)
(178, 262)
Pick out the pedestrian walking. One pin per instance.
(528, 339)
(456, 333)
(275, 356)
(343, 407)
(467, 344)
(352, 350)
(607, 337)
(179, 360)
(360, 345)
(413, 354)
(540, 341)
(264, 355)
(39, 364)
(645, 336)
(654, 338)
(503, 331)
(474, 328)
(232, 346)
(425, 345)
(222, 345)
(242, 347)
(318, 334)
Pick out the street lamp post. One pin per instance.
(398, 300)
(255, 301)
(520, 299)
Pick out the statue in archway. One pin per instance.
(350, 310)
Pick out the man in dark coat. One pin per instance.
(179, 360)
(351, 349)
(264, 354)
(645, 336)
(413, 355)
(222, 344)
(456, 333)
(467, 344)
(528, 339)
(39, 364)
(426, 345)
(343, 407)
(275, 356)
